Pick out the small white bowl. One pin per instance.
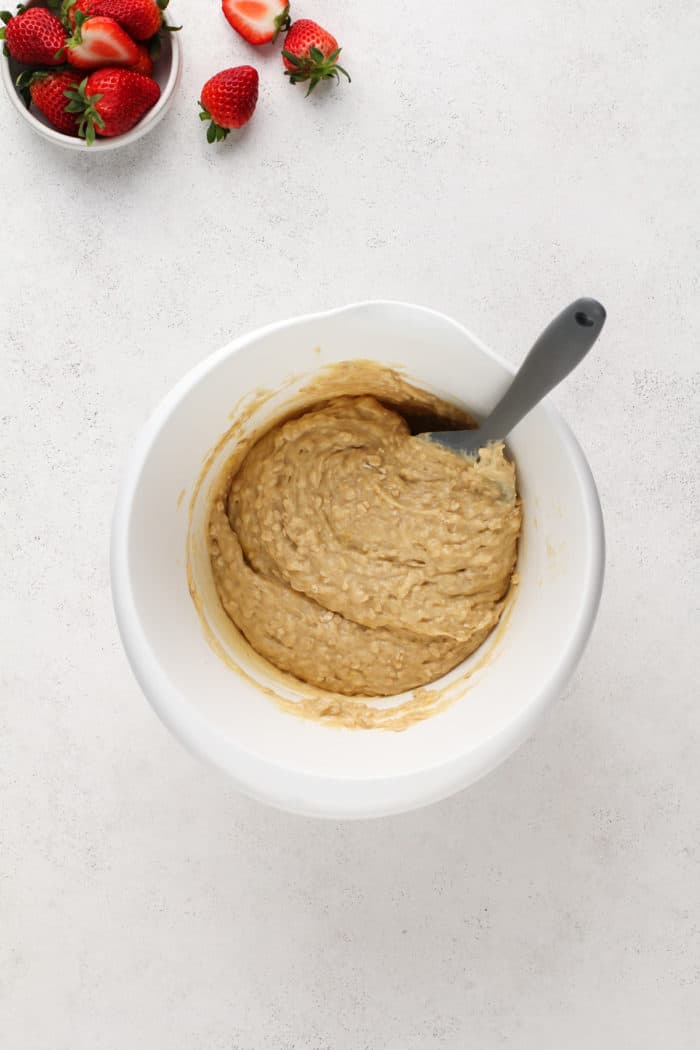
(229, 720)
(166, 71)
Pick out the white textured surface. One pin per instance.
(493, 165)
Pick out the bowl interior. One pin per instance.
(229, 719)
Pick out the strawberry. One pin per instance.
(111, 101)
(145, 62)
(100, 41)
(34, 37)
(140, 18)
(257, 21)
(311, 53)
(228, 100)
(47, 91)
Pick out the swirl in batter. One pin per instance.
(359, 558)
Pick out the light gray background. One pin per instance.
(490, 160)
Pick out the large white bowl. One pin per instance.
(166, 71)
(288, 761)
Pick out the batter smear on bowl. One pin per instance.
(358, 557)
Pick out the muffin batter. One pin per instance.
(359, 558)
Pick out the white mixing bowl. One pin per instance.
(230, 719)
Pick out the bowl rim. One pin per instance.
(283, 786)
(145, 125)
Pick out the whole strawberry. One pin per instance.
(47, 91)
(257, 21)
(111, 101)
(140, 18)
(228, 101)
(310, 54)
(35, 37)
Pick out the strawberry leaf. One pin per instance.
(77, 38)
(215, 133)
(314, 67)
(27, 77)
(155, 47)
(65, 13)
(294, 59)
(84, 105)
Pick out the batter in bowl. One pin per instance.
(358, 557)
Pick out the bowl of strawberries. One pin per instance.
(90, 74)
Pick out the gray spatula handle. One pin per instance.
(563, 345)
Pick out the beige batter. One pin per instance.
(359, 558)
